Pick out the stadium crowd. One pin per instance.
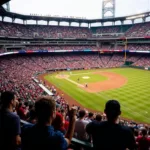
(14, 78)
(108, 30)
(20, 30)
(17, 30)
(52, 124)
(135, 47)
(61, 48)
(139, 30)
(17, 74)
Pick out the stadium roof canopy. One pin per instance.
(4, 13)
(3, 2)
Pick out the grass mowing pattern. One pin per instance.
(134, 96)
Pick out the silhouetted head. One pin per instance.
(112, 110)
(45, 109)
(82, 113)
(98, 118)
(7, 99)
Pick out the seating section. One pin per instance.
(108, 30)
(16, 72)
(135, 47)
(60, 47)
(144, 61)
(141, 47)
(139, 30)
(20, 30)
(10, 29)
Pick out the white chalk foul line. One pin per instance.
(74, 82)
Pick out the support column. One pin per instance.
(48, 22)
(113, 23)
(132, 21)
(98, 44)
(69, 24)
(143, 19)
(122, 22)
(2, 18)
(13, 20)
(80, 24)
(89, 25)
(58, 23)
(24, 22)
(102, 23)
(36, 22)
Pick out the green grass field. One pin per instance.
(92, 77)
(134, 96)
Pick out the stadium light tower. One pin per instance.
(108, 6)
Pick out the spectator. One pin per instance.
(58, 107)
(143, 141)
(80, 126)
(22, 111)
(58, 123)
(42, 135)
(109, 135)
(9, 123)
(90, 117)
(31, 108)
(98, 118)
(32, 116)
(136, 133)
(65, 122)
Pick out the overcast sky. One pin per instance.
(79, 8)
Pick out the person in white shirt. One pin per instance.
(90, 117)
(80, 126)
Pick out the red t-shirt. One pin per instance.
(66, 125)
(58, 123)
(143, 143)
(21, 113)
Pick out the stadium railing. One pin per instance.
(75, 143)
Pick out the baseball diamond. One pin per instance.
(119, 83)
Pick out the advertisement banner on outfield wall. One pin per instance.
(117, 50)
(8, 53)
(51, 51)
(132, 51)
(95, 50)
(43, 51)
(127, 51)
(76, 50)
(60, 50)
(87, 50)
(143, 51)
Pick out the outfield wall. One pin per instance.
(68, 51)
(138, 67)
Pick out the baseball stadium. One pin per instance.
(81, 66)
